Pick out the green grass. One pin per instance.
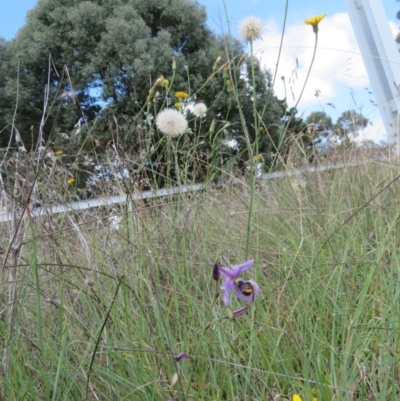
(99, 314)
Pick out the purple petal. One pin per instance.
(227, 286)
(237, 270)
(240, 311)
(226, 273)
(181, 357)
(251, 297)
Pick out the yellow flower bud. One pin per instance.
(212, 127)
(234, 348)
(164, 82)
(225, 72)
(229, 314)
(215, 66)
(229, 86)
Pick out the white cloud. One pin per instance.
(338, 73)
(374, 132)
(337, 59)
(394, 28)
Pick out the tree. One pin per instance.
(110, 52)
(8, 97)
(350, 123)
(95, 61)
(320, 122)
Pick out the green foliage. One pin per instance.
(7, 91)
(99, 59)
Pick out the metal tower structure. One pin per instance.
(382, 61)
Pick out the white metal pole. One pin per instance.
(381, 58)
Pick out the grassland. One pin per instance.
(94, 311)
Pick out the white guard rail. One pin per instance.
(119, 199)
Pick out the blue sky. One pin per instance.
(13, 13)
(340, 79)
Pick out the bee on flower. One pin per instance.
(246, 290)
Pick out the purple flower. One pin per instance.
(181, 357)
(247, 290)
(216, 274)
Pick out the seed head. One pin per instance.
(251, 28)
(171, 122)
(199, 109)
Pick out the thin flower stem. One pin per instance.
(284, 130)
(188, 79)
(252, 153)
(277, 62)
(308, 73)
(234, 78)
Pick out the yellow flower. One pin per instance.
(296, 397)
(258, 158)
(178, 105)
(58, 152)
(70, 181)
(181, 95)
(314, 21)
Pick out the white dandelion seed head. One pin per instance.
(171, 122)
(199, 109)
(51, 156)
(251, 28)
(115, 222)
